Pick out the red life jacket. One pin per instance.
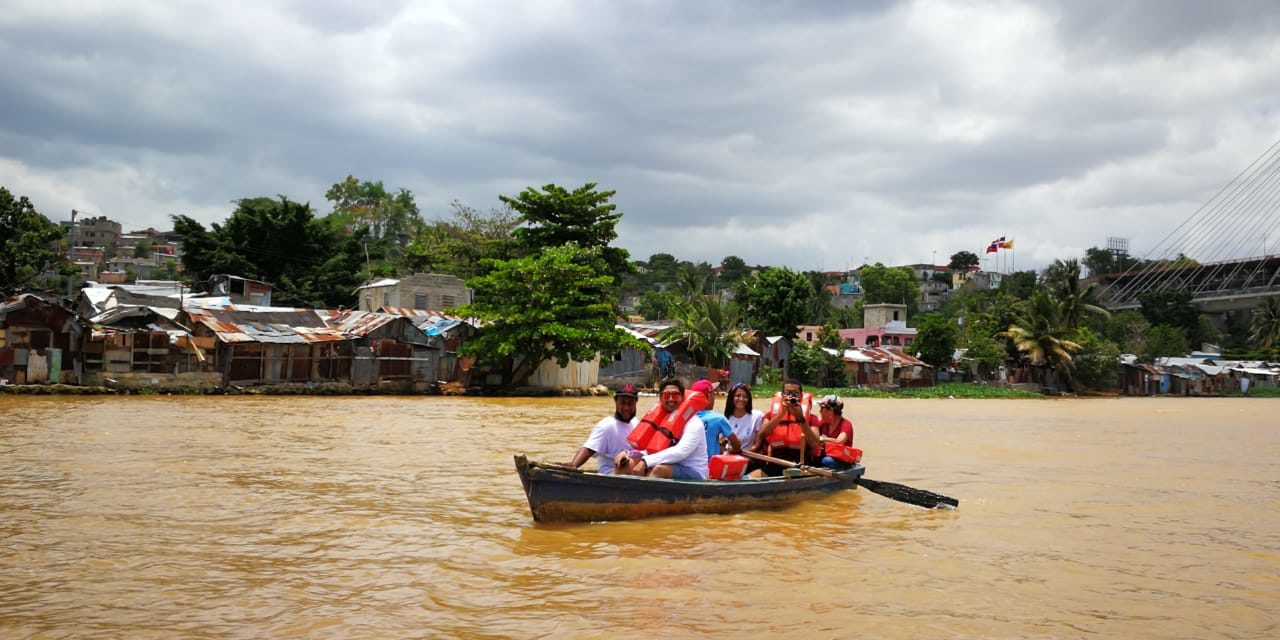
(789, 433)
(653, 435)
(726, 466)
(842, 452)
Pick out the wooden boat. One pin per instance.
(563, 494)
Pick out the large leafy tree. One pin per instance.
(1163, 340)
(963, 261)
(554, 216)
(26, 238)
(388, 216)
(1173, 307)
(936, 340)
(460, 243)
(895, 285)
(776, 301)
(310, 261)
(1019, 283)
(732, 269)
(1265, 325)
(556, 304)
(1097, 366)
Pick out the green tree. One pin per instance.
(776, 301)
(656, 305)
(1063, 280)
(963, 261)
(1173, 307)
(816, 366)
(1164, 341)
(460, 244)
(1097, 366)
(310, 261)
(1128, 329)
(829, 337)
(1039, 332)
(881, 284)
(1020, 284)
(386, 215)
(1264, 327)
(142, 249)
(554, 304)
(585, 217)
(935, 340)
(27, 237)
(732, 269)
(709, 328)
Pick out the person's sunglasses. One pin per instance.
(671, 394)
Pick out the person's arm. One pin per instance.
(694, 432)
(771, 420)
(584, 454)
(810, 430)
(735, 445)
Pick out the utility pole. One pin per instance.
(71, 247)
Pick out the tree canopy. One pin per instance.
(554, 216)
(27, 237)
(893, 285)
(963, 261)
(309, 261)
(556, 304)
(776, 300)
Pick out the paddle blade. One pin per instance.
(909, 495)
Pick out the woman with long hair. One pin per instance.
(744, 420)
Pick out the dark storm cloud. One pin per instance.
(857, 128)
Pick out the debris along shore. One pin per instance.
(315, 389)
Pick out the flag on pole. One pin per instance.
(1006, 245)
(992, 248)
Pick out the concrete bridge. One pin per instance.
(1217, 288)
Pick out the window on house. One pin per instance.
(386, 299)
(419, 301)
(368, 302)
(447, 301)
(808, 336)
(895, 315)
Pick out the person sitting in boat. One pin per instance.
(609, 437)
(835, 430)
(686, 459)
(790, 417)
(717, 427)
(744, 420)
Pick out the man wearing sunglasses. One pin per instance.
(687, 458)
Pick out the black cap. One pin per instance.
(628, 390)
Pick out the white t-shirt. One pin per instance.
(746, 426)
(609, 438)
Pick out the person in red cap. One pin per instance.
(609, 437)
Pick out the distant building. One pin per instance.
(420, 291)
(98, 232)
(883, 325)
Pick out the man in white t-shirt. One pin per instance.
(609, 437)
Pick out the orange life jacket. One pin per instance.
(659, 430)
(726, 466)
(842, 452)
(789, 433)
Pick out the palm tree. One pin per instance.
(1039, 331)
(709, 327)
(1063, 278)
(1265, 324)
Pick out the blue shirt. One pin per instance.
(716, 426)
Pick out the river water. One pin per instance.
(382, 517)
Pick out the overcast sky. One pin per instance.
(807, 134)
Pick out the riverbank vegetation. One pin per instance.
(550, 283)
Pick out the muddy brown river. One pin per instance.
(394, 517)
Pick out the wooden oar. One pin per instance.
(894, 491)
